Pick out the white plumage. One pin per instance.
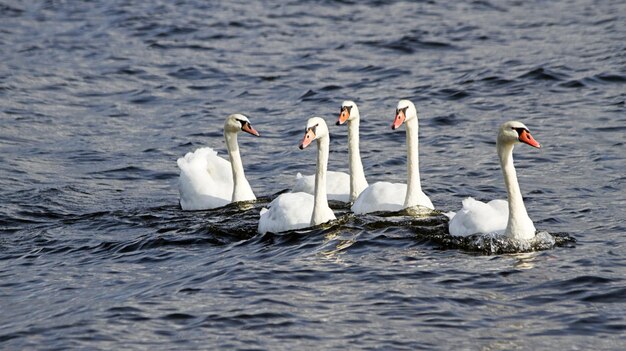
(298, 210)
(385, 196)
(208, 181)
(479, 217)
(337, 187)
(341, 186)
(498, 216)
(205, 181)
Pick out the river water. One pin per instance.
(98, 99)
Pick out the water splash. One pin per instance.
(493, 244)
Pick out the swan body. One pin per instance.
(384, 196)
(205, 180)
(498, 216)
(380, 196)
(337, 187)
(291, 211)
(479, 217)
(208, 181)
(288, 211)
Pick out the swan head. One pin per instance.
(349, 112)
(405, 111)
(237, 122)
(315, 129)
(513, 132)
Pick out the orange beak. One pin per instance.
(248, 129)
(397, 122)
(343, 117)
(526, 138)
(309, 136)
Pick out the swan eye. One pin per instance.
(520, 131)
(306, 131)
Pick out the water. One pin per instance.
(99, 99)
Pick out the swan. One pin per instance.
(337, 186)
(350, 113)
(385, 196)
(342, 186)
(206, 180)
(499, 216)
(300, 210)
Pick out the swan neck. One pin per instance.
(357, 176)
(320, 197)
(239, 177)
(414, 186)
(518, 221)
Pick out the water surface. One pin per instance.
(98, 99)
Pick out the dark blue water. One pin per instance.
(98, 99)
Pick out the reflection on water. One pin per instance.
(524, 260)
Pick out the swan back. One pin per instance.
(205, 180)
(337, 186)
(479, 217)
(380, 196)
(288, 211)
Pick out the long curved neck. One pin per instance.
(320, 200)
(414, 186)
(239, 178)
(518, 217)
(357, 176)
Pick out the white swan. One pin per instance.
(209, 181)
(499, 216)
(337, 185)
(384, 196)
(342, 186)
(300, 210)
(350, 113)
